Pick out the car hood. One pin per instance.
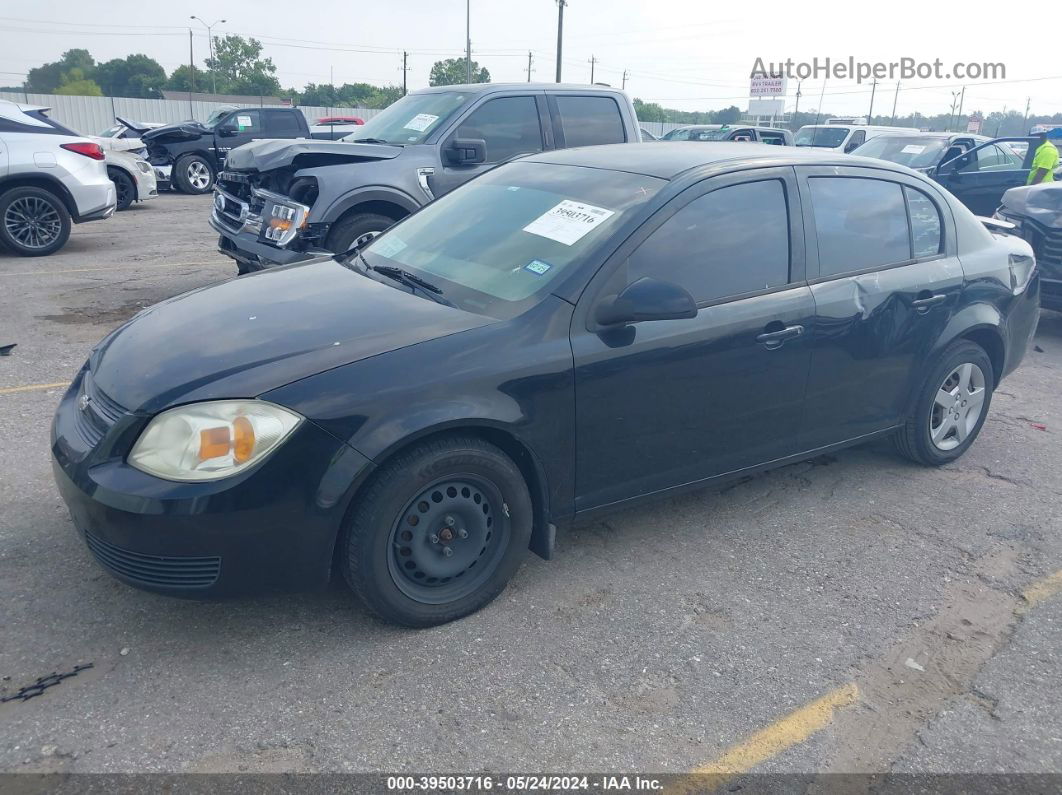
(1042, 203)
(304, 153)
(249, 335)
(181, 131)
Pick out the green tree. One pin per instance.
(452, 72)
(133, 76)
(239, 68)
(74, 83)
(47, 78)
(727, 115)
(180, 79)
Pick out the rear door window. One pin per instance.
(860, 223)
(282, 123)
(925, 223)
(590, 121)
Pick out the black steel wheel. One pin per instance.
(437, 532)
(123, 187)
(33, 221)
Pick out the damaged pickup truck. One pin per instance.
(279, 202)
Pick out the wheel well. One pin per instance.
(44, 183)
(391, 210)
(992, 342)
(504, 441)
(120, 170)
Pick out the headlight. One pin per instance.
(281, 217)
(209, 441)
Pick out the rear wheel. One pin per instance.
(193, 174)
(951, 406)
(123, 187)
(438, 532)
(34, 222)
(355, 230)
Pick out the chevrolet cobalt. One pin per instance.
(569, 333)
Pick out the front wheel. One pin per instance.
(193, 174)
(951, 407)
(356, 230)
(438, 532)
(123, 187)
(34, 222)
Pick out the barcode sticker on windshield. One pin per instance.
(420, 122)
(913, 149)
(388, 246)
(568, 222)
(243, 121)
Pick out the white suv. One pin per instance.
(50, 177)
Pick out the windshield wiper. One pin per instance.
(372, 141)
(405, 277)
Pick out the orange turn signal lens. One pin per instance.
(243, 445)
(214, 443)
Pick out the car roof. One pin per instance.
(667, 160)
(482, 88)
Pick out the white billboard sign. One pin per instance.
(765, 86)
(766, 107)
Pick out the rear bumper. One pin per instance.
(103, 204)
(1021, 324)
(271, 529)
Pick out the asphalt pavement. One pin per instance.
(854, 613)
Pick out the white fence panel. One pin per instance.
(92, 115)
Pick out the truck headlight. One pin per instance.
(209, 441)
(282, 218)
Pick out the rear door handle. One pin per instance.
(924, 304)
(774, 339)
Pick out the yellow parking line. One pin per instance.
(10, 390)
(132, 265)
(1040, 590)
(784, 733)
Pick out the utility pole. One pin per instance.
(818, 110)
(624, 86)
(210, 45)
(560, 34)
(405, 70)
(191, 74)
(529, 66)
(895, 99)
(958, 118)
(468, 41)
(954, 103)
(1025, 121)
(593, 61)
(796, 108)
(873, 91)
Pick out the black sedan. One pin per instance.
(567, 334)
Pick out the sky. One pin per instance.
(686, 54)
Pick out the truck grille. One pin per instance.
(157, 570)
(229, 210)
(96, 412)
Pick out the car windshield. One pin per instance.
(495, 245)
(215, 118)
(821, 136)
(909, 150)
(412, 119)
(677, 135)
(111, 132)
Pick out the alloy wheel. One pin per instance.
(198, 175)
(448, 540)
(957, 407)
(33, 222)
(123, 190)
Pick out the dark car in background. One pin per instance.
(279, 202)
(1036, 212)
(568, 334)
(189, 154)
(729, 132)
(922, 152)
(980, 176)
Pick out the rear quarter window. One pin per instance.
(590, 121)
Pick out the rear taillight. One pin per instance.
(86, 148)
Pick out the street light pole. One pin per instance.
(468, 41)
(560, 34)
(210, 44)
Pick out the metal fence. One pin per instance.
(91, 115)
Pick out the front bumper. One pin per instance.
(163, 174)
(272, 528)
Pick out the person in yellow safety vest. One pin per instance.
(1045, 159)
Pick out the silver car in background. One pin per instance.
(50, 178)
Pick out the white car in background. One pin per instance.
(133, 177)
(50, 178)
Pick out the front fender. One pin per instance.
(370, 193)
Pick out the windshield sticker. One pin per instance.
(420, 122)
(913, 149)
(537, 266)
(568, 222)
(388, 246)
(243, 121)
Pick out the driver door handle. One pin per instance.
(773, 339)
(925, 303)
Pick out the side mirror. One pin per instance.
(227, 131)
(646, 299)
(466, 151)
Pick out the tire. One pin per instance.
(961, 382)
(123, 187)
(456, 492)
(34, 222)
(360, 227)
(193, 174)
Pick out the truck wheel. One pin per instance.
(950, 407)
(123, 187)
(356, 230)
(438, 532)
(34, 222)
(193, 174)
